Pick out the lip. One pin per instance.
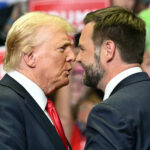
(68, 71)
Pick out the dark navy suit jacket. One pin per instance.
(23, 124)
(122, 122)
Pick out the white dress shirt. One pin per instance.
(117, 79)
(33, 89)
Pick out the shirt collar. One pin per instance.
(33, 89)
(118, 78)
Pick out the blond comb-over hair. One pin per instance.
(22, 35)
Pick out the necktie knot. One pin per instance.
(49, 105)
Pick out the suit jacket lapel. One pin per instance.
(35, 110)
(45, 123)
(137, 77)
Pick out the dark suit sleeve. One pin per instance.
(12, 131)
(108, 129)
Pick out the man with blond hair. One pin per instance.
(112, 45)
(38, 61)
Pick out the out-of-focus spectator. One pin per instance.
(9, 12)
(146, 62)
(83, 109)
(143, 11)
(124, 3)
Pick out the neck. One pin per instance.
(111, 73)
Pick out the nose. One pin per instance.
(71, 55)
(78, 57)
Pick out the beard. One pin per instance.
(93, 74)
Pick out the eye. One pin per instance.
(62, 48)
(81, 48)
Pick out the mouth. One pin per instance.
(68, 71)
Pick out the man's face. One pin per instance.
(92, 66)
(53, 58)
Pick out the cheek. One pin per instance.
(88, 59)
(57, 62)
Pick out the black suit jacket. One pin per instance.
(23, 124)
(122, 122)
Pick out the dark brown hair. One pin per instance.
(121, 26)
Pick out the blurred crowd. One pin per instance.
(75, 101)
(10, 10)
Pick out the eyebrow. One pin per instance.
(67, 43)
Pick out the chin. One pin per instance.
(64, 83)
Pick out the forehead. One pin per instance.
(87, 33)
(52, 34)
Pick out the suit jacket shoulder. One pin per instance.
(122, 121)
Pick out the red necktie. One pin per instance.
(56, 121)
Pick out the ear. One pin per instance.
(110, 49)
(29, 59)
